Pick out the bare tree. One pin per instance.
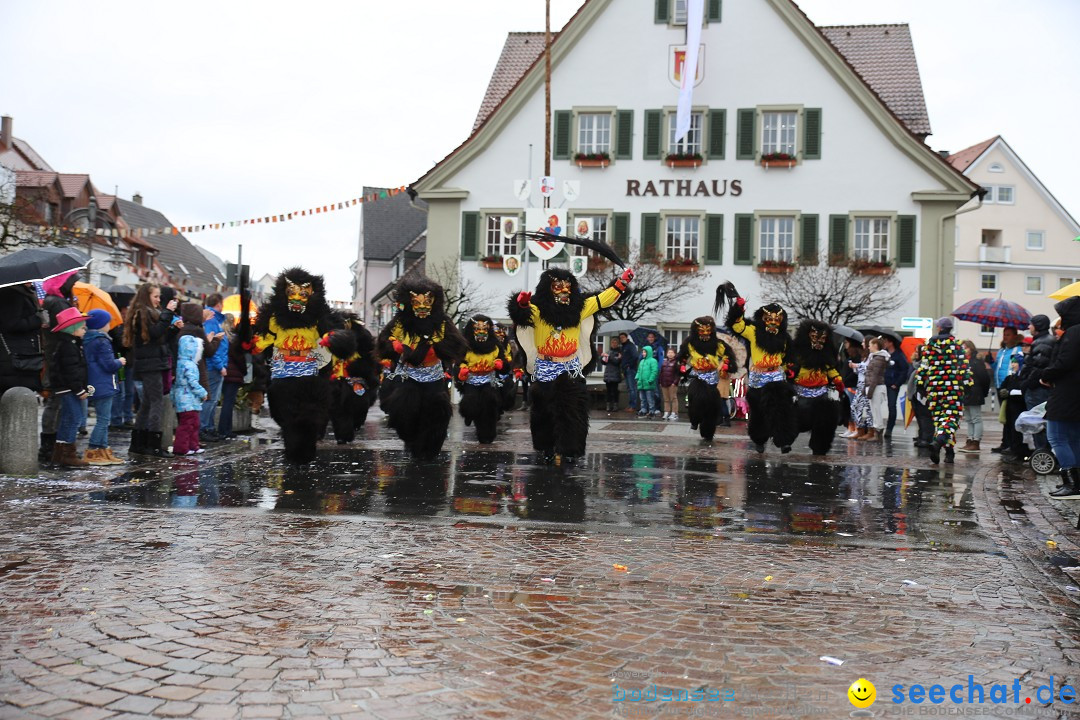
(835, 293)
(21, 225)
(463, 298)
(653, 289)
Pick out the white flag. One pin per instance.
(695, 16)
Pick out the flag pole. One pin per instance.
(547, 94)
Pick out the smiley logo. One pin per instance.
(862, 693)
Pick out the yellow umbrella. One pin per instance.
(91, 297)
(1066, 292)
(231, 305)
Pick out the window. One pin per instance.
(989, 282)
(675, 336)
(594, 133)
(679, 17)
(681, 238)
(1033, 284)
(872, 239)
(776, 239)
(496, 244)
(690, 144)
(1036, 240)
(599, 233)
(1064, 282)
(778, 132)
(1004, 194)
(986, 329)
(996, 168)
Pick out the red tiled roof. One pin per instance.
(105, 202)
(961, 160)
(519, 53)
(34, 178)
(884, 58)
(30, 154)
(73, 183)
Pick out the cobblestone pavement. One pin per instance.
(484, 587)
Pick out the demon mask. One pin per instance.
(481, 330)
(818, 337)
(773, 319)
(298, 295)
(560, 289)
(706, 331)
(422, 303)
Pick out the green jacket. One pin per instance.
(647, 371)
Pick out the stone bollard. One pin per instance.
(168, 423)
(19, 432)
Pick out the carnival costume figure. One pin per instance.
(705, 358)
(300, 331)
(417, 342)
(554, 328)
(509, 374)
(769, 394)
(479, 378)
(811, 363)
(943, 378)
(354, 381)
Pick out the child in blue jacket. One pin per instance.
(101, 368)
(187, 395)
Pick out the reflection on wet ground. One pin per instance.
(743, 499)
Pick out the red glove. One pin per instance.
(324, 341)
(524, 298)
(463, 373)
(724, 366)
(790, 374)
(385, 363)
(682, 369)
(741, 302)
(249, 345)
(838, 383)
(398, 347)
(518, 373)
(624, 280)
(498, 364)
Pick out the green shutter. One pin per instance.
(905, 252)
(624, 134)
(744, 239)
(714, 239)
(653, 126)
(650, 235)
(561, 146)
(838, 239)
(812, 134)
(620, 233)
(717, 133)
(714, 10)
(663, 11)
(745, 140)
(470, 235)
(809, 241)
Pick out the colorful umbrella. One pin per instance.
(91, 297)
(994, 312)
(231, 305)
(1066, 292)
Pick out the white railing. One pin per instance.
(988, 253)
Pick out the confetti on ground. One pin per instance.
(461, 619)
(1051, 544)
(831, 660)
(768, 578)
(547, 579)
(620, 568)
(428, 612)
(911, 583)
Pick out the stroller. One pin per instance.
(1029, 423)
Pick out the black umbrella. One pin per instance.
(843, 331)
(38, 264)
(115, 290)
(880, 331)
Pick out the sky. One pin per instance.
(219, 111)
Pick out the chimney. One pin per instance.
(5, 132)
(137, 198)
(944, 153)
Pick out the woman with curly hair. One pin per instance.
(147, 331)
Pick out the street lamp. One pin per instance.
(91, 221)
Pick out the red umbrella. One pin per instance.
(994, 312)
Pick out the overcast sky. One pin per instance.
(220, 111)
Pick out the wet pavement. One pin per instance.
(487, 585)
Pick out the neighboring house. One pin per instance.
(409, 260)
(214, 260)
(17, 154)
(386, 227)
(1019, 244)
(179, 264)
(845, 102)
(262, 288)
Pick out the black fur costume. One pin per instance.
(481, 400)
(772, 409)
(353, 384)
(559, 333)
(811, 363)
(704, 355)
(291, 327)
(420, 347)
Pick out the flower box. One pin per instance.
(774, 267)
(870, 267)
(683, 161)
(681, 266)
(588, 160)
(492, 262)
(777, 163)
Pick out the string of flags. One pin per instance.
(266, 219)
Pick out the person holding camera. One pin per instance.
(147, 331)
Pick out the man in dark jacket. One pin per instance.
(59, 296)
(1038, 359)
(896, 375)
(1062, 376)
(628, 365)
(21, 354)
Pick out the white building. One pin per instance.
(1019, 244)
(846, 102)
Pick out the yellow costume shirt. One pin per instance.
(555, 345)
(400, 334)
(760, 361)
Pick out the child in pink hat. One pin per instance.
(68, 379)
